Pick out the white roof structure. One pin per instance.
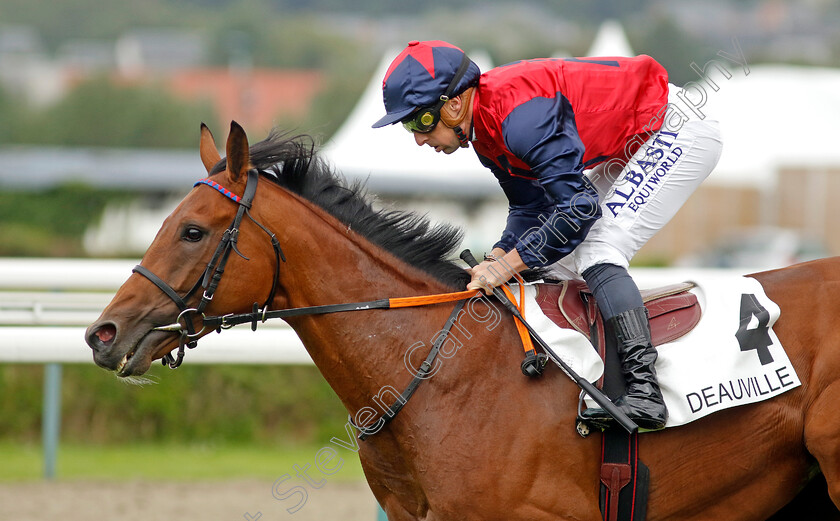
(610, 41)
(390, 157)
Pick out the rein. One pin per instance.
(230, 320)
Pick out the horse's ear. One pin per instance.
(238, 158)
(207, 149)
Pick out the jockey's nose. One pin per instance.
(420, 138)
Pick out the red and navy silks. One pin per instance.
(539, 123)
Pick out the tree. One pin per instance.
(10, 117)
(99, 113)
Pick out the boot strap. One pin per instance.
(632, 327)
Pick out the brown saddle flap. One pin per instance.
(673, 310)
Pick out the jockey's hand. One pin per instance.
(491, 257)
(493, 273)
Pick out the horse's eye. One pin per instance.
(192, 234)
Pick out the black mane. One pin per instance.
(292, 163)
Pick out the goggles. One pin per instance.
(423, 121)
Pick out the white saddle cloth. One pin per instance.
(733, 357)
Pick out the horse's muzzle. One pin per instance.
(101, 339)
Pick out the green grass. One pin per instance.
(170, 462)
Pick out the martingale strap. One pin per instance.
(422, 374)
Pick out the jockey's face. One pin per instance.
(441, 138)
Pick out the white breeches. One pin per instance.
(649, 190)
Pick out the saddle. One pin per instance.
(673, 310)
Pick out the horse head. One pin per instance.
(174, 282)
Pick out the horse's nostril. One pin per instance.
(106, 333)
(103, 336)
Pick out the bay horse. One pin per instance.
(478, 440)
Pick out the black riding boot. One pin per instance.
(642, 400)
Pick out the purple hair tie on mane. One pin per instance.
(221, 189)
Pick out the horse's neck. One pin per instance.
(358, 352)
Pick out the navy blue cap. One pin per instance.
(418, 77)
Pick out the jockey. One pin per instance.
(594, 156)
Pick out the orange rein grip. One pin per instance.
(425, 300)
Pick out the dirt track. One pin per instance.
(145, 501)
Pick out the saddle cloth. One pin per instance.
(714, 335)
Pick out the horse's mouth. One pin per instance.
(120, 370)
(139, 358)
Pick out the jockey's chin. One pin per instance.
(446, 149)
(441, 139)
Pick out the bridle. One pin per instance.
(212, 275)
(209, 280)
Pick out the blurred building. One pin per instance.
(142, 51)
(25, 68)
(172, 59)
(258, 99)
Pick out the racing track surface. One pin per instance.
(205, 501)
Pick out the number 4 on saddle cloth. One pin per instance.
(714, 336)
